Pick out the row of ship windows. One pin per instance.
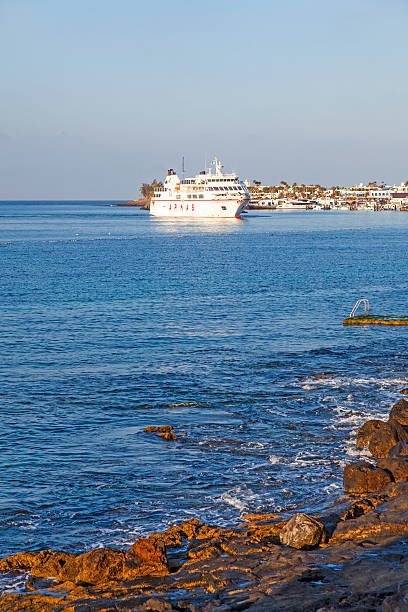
(216, 189)
(188, 195)
(224, 188)
(215, 180)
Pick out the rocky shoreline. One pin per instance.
(142, 204)
(353, 555)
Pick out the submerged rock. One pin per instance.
(399, 412)
(302, 532)
(166, 432)
(169, 436)
(362, 477)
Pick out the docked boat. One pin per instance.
(210, 193)
(291, 205)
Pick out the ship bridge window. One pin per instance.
(194, 195)
(201, 195)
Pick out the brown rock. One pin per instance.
(161, 428)
(386, 437)
(258, 518)
(28, 603)
(389, 518)
(393, 489)
(43, 564)
(399, 412)
(302, 532)
(358, 508)
(103, 565)
(59, 565)
(158, 605)
(365, 432)
(20, 561)
(169, 436)
(404, 391)
(397, 466)
(148, 556)
(177, 534)
(401, 448)
(145, 558)
(362, 477)
(397, 602)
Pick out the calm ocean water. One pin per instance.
(111, 320)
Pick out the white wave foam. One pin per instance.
(303, 460)
(183, 404)
(273, 459)
(352, 420)
(10, 583)
(331, 488)
(353, 451)
(253, 445)
(233, 501)
(343, 381)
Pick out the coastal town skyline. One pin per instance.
(98, 98)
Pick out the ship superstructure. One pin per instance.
(210, 193)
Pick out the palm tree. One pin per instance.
(147, 190)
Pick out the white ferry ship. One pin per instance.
(208, 194)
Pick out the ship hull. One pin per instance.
(198, 208)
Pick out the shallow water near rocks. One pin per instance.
(231, 331)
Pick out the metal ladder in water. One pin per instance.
(357, 304)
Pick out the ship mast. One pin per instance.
(217, 165)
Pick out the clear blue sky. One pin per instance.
(98, 96)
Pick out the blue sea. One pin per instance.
(229, 330)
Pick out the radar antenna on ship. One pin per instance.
(217, 165)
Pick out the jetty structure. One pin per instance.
(367, 319)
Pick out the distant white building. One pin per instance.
(399, 196)
(380, 194)
(358, 192)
